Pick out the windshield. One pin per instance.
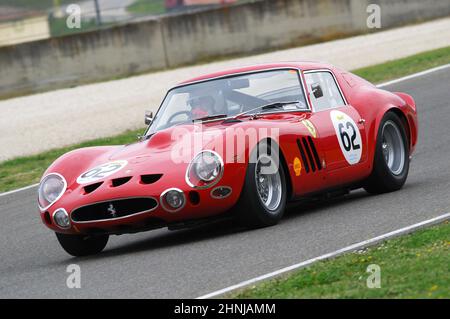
(230, 96)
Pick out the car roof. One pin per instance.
(304, 66)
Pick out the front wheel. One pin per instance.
(263, 197)
(391, 162)
(82, 245)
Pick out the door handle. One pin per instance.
(362, 121)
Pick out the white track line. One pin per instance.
(18, 190)
(409, 77)
(415, 75)
(353, 247)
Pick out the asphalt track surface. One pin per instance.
(191, 263)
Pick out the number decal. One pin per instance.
(348, 136)
(355, 146)
(100, 172)
(344, 138)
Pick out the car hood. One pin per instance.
(167, 152)
(185, 138)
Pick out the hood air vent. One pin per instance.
(150, 179)
(90, 188)
(120, 181)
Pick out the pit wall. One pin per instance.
(171, 41)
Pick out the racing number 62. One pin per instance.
(101, 171)
(348, 140)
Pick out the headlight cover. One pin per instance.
(172, 200)
(205, 170)
(61, 218)
(51, 188)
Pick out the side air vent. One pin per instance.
(315, 154)
(309, 155)
(150, 179)
(120, 181)
(90, 188)
(302, 154)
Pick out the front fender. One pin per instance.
(71, 164)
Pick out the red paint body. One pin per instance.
(152, 156)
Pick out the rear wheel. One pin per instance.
(263, 197)
(391, 162)
(82, 245)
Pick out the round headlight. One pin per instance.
(172, 199)
(207, 166)
(205, 170)
(51, 189)
(175, 199)
(61, 218)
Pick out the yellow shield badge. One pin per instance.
(311, 128)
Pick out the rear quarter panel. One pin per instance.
(373, 103)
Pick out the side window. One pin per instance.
(331, 97)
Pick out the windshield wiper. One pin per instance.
(210, 117)
(274, 105)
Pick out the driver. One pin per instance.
(201, 106)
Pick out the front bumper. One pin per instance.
(200, 204)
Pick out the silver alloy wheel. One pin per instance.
(393, 148)
(268, 185)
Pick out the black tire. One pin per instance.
(250, 210)
(382, 179)
(82, 245)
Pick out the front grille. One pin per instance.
(113, 209)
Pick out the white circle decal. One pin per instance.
(348, 135)
(100, 172)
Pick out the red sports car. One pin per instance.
(240, 143)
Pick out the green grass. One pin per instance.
(409, 65)
(58, 26)
(147, 7)
(412, 266)
(33, 4)
(27, 170)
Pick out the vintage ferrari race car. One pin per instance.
(239, 143)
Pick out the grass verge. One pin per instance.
(406, 66)
(58, 26)
(33, 4)
(411, 266)
(147, 7)
(27, 170)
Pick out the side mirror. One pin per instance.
(317, 90)
(148, 117)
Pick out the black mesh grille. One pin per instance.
(113, 209)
